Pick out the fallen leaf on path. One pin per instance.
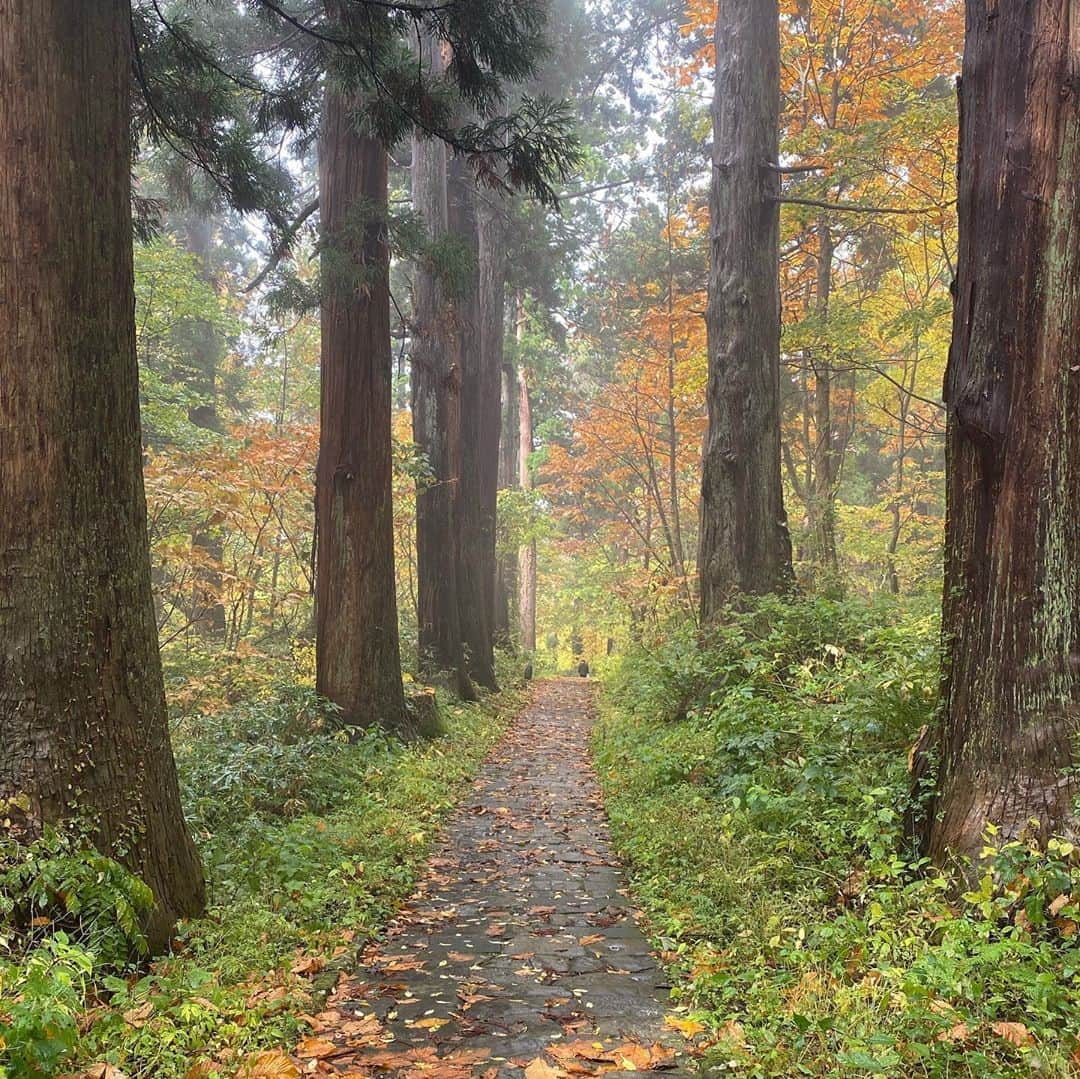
(592, 938)
(399, 966)
(268, 1065)
(541, 1069)
(430, 1024)
(688, 1028)
(316, 1048)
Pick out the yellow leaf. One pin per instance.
(431, 1024)
(688, 1028)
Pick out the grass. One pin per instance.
(310, 843)
(757, 787)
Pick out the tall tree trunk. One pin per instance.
(823, 494)
(82, 705)
(357, 647)
(506, 573)
(493, 265)
(205, 348)
(480, 359)
(436, 388)
(745, 546)
(1011, 688)
(674, 510)
(527, 554)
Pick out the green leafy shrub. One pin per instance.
(41, 999)
(60, 885)
(758, 785)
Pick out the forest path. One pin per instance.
(520, 950)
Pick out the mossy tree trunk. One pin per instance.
(83, 726)
(744, 544)
(1011, 687)
(357, 646)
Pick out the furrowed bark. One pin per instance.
(479, 348)
(83, 724)
(744, 546)
(1011, 686)
(357, 646)
(506, 575)
(527, 554)
(436, 405)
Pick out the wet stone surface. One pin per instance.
(520, 949)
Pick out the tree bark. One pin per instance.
(205, 348)
(744, 546)
(825, 470)
(527, 554)
(506, 572)
(357, 647)
(436, 404)
(479, 316)
(82, 706)
(1011, 686)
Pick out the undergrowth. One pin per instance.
(310, 842)
(757, 786)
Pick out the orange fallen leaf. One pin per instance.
(959, 1034)
(308, 965)
(316, 1048)
(1014, 1033)
(592, 938)
(541, 1069)
(268, 1065)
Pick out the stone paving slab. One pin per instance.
(520, 950)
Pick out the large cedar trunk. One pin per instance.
(527, 554)
(83, 727)
(436, 405)
(745, 546)
(1011, 688)
(357, 646)
(480, 361)
(506, 570)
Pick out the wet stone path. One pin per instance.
(520, 953)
